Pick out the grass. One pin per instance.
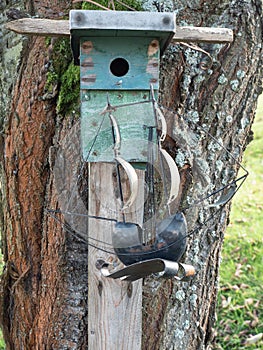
(2, 343)
(240, 308)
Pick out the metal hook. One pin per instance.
(117, 135)
(161, 118)
(133, 180)
(175, 176)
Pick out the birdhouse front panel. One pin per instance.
(119, 63)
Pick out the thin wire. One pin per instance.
(70, 230)
(58, 211)
(150, 177)
(87, 157)
(212, 137)
(132, 104)
(79, 235)
(154, 102)
(230, 155)
(202, 199)
(106, 8)
(92, 2)
(125, 5)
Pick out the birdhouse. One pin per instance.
(119, 57)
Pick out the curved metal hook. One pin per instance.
(117, 135)
(161, 118)
(175, 176)
(174, 173)
(133, 180)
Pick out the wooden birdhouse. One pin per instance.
(119, 57)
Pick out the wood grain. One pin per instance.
(50, 27)
(115, 310)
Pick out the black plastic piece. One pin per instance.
(170, 241)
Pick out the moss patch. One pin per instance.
(63, 76)
(69, 94)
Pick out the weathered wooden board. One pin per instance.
(40, 26)
(203, 34)
(48, 27)
(114, 310)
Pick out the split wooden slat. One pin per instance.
(51, 27)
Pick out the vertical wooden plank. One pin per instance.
(114, 307)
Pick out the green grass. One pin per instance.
(2, 343)
(240, 308)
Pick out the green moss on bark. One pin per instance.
(63, 76)
(68, 99)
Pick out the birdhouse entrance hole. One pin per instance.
(119, 67)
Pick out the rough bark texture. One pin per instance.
(222, 99)
(44, 284)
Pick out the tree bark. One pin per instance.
(45, 282)
(223, 100)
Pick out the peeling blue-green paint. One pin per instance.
(98, 54)
(96, 129)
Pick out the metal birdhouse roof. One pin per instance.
(86, 23)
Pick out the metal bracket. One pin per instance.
(157, 267)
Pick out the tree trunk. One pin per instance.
(45, 282)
